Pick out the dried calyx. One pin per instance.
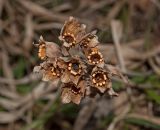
(100, 79)
(94, 56)
(77, 72)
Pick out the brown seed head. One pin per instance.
(73, 88)
(75, 67)
(69, 38)
(72, 32)
(51, 72)
(100, 78)
(95, 57)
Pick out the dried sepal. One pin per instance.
(72, 32)
(72, 92)
(47, 49)
(100, 79)
(90, 40)
(111, 92)
(115, 71)
(94, 57)
(37, 69)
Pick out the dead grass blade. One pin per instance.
(29, 33)
(117, 34)
(40, 11)
(8, 71)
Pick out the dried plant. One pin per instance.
(77, 64)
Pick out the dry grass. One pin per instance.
(129, 33)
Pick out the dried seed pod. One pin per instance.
(100, 79)
(47, 49)
(95, 57)
(89, 40)
(72, 32)
(73, 92)
(49, 71)
(74, 69)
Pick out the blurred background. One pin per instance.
(129, 32)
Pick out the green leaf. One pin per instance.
(106, 120)
(142, 122)
(19, 70)
(138, 79)
(38, 123)
(70, 110)
(24, 88)
(1, 72)
(153, 95)
(117, 86)
(154, 80)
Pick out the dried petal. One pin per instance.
(66, 95)
(65, 78)
(76, 99)
(72, 32)
(100, 79)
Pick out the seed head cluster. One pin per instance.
(78, 63)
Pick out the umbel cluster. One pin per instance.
(77, 63)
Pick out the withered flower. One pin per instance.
(100, 79)
(89, 40)
(73, 92)
(74, 69)
(48, 70)
(78, 63)
(72, 32)
(47, 49)
(94, 57)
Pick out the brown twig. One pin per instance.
(117, 34)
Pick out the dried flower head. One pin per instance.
(48, 70)
(73, 92)
(72, 32)
(100, 79)
(74, 69)
(47, 49)
(78, 64)
(94, 57)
